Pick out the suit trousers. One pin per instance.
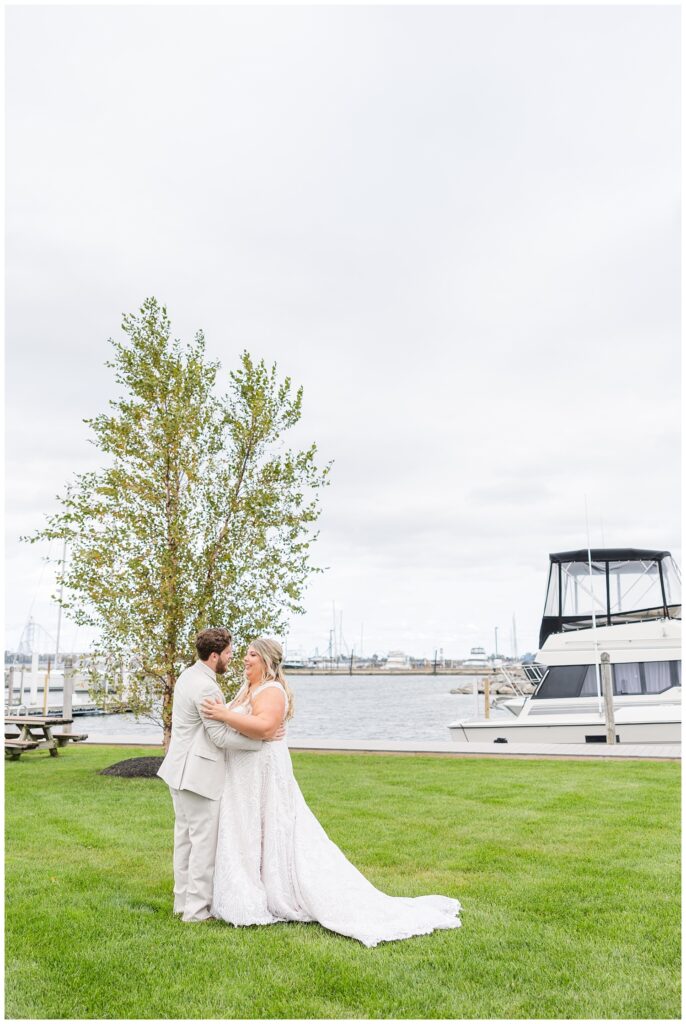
(195, 849)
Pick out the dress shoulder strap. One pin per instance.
(264, 686)
(273, 683)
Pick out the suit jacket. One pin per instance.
(195, 759)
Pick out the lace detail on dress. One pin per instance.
(275, 862)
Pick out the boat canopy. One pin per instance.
(621, 585)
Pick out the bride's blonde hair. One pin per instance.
(271, 653)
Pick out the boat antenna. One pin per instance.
(595, 635)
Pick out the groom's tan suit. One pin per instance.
(194, 769)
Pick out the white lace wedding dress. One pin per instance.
(276, 863)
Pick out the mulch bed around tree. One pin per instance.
(134, 768)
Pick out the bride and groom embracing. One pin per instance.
(247, 848)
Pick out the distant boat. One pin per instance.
(477, 659)
(397, 659)
(296, 658)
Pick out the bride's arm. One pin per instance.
(266, 717)
(220, 734)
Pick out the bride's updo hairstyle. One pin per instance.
(271, 653)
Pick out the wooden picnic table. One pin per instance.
(35, 733)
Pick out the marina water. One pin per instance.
(345, 707)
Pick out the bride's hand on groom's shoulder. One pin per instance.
(214, 709)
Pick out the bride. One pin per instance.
(274, 860)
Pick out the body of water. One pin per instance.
(347, 707)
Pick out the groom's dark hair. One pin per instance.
(212, 641)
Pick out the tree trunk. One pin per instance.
(167, 703)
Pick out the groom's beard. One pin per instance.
(222, 666)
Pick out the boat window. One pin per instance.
(646, 677)
(634, 585)
(561, 681)
(592, 683)
(552, 599)
(627, 679)
(658, 675)
(672, 581)
(583, 592)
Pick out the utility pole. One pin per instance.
(496, 641)
(514, 636)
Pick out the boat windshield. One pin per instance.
(619, 586)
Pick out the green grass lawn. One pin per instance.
(568, 873)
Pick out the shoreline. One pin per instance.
(535, 751)
(394, 671)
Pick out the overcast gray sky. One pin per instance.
(457, 227)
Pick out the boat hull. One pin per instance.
(588, 731)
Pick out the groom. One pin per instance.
(194, 769)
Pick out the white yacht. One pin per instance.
(634, 595)
(295, 659)
(477, 659)
(397, 659)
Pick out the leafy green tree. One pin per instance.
(200, 517)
